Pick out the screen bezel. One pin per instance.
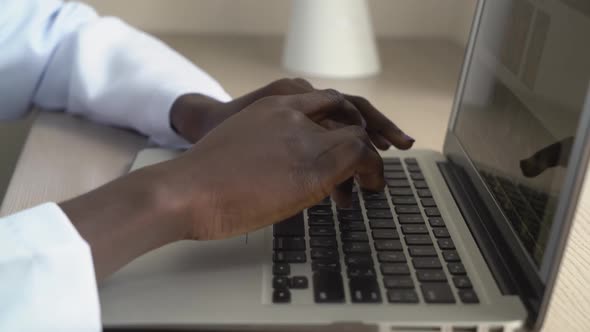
(540, 279)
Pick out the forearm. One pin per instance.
(123, 220)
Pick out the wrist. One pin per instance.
(123, 220)
(193, 115)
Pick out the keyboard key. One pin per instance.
(393, 168)
(397, 183)
(320, 221)
(403, 200)
(293, 226)
(414, 168)
(325, 265)
(422, 251)
(385, 234)
(281, 296)
(289, 257)
(350, 216)
(436, 222)
(356, 248)
(468, 296)
(280, 282)
(440, 232)
(392, 161)
(398, 282)
(354, 237)
(376, 205)
(354, 272)
(289, 243)
(391, 257)
(364, 290)
(401, 192)
(281, 269)
(424, 193)
(437, 293)
(412, 240)
(374, 196)
(428, 202)
(385, 245)
(354, 206)
(451, 256)
(456, 268)
(431, 275)
(395, 269)
(328, 287)
(432, 212)
(402, 296)
(446, 244)
(411, 219)
(417, 176)
(382, 224)
(379, 214)
(324, 253)
(322, 231)
(426, 263)
(319, 211)
(420, 185)
(411, 161)
(323, 242)
(358, 260)
(401, 175)
(462, 282)
(414, 229)
(353, 227)
(409, 209)
(299, 282)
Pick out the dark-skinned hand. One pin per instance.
(194, 115)
(260, 166)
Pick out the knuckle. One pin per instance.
(281, 86)
(302, 81)
(295, 116)
(334, 95)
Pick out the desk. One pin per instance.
(66, 156)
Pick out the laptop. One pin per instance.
(469, 239)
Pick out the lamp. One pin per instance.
(332, 39)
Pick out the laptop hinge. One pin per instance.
(478, 220)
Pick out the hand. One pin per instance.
(267, 163)
(262, 165)
(194, 115)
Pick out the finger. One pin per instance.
(380, 142)
(378, 122)
(342, 195)
(303, 83)
(322, 104)
(345, 153)
(280, 87)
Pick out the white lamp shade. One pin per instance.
(331, 38)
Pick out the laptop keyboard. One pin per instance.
(388, 256)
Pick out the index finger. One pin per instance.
(379, 124)
(347, 152)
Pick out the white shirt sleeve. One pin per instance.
(47, 280)
(62, 56)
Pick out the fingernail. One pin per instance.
(408, 138)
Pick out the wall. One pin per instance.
(449, 19)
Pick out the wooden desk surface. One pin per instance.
(66, 156)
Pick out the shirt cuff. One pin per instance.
(47, 281)
(159, 110)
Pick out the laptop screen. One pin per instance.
(524, 93)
